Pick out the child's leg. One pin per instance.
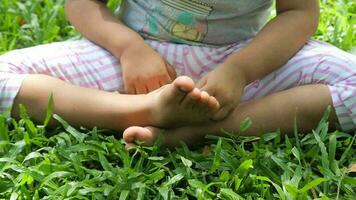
(276, 111)
(316, 63)
(318, 76)
(91, 107)
(74, 72)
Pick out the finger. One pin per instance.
(171, 71)
(141, 89)
(130, 89)
(153, 85)
(164, 80)
(147, 90)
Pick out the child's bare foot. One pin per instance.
(180, 103)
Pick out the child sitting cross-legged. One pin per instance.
(186, 68)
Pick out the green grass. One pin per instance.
(69, 163)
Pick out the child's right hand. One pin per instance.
(144, 70)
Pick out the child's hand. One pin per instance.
(226, 85)
(144, 70)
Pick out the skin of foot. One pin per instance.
(181, 103)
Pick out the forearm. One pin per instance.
(276, 43)
(96, 22)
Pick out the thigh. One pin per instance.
(194, 61)
(86, 64)
(80, 62)
(316, 63)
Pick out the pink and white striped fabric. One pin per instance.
(85, 64)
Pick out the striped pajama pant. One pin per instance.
(85, 64)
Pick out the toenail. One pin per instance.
(130, 147)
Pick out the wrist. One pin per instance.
(237, 72)
(137, 53)
(119, 47)
(242, 66)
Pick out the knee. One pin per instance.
(14, 62)
(332, 69)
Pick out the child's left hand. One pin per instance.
(226, 84)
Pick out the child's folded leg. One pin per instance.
(268, 114)
(316, 63)
(82, 77)
(319, 75)
(88, 107)
(80, 62)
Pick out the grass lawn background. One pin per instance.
(85, 164)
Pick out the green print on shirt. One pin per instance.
(187, 20)
(152, 24)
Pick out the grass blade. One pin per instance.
(217, 157)
(50, 109)
(312, 184)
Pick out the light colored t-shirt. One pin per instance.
(197, 22)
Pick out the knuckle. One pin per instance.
(131, 79)
(141, 80)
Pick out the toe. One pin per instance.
(195, 94)
(184, 83)
(192, 98)
(204, 104)
(130, 133)
(204, 97)
(136, 133)
(177, 91)
(130, 146)
(213, 103)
